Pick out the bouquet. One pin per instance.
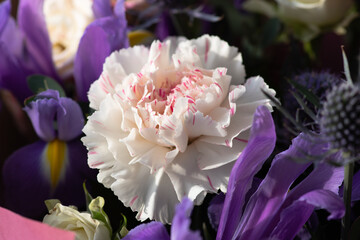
(161, 119)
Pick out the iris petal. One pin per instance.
(28, 182)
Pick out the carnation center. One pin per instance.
(158, 93)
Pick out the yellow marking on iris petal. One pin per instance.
(139, 37)
(55, 155)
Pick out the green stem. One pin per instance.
(348, 177)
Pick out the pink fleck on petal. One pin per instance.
(218, 86)
(96, 121)
(211, 185)
(232, 111)
(227, 143)
(179, 61)
(117, 94)
(92, 152)
(169, 127)
(241, 140)
(133, 200)
(96, 164)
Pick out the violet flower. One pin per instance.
(179, 228)
(26, 48)
(274, 211)
(53, 167)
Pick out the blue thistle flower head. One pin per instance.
(339, 119)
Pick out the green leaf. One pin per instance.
(39, 83)
(311, 97)
(50, 203)
(96, 208)
(88, 197)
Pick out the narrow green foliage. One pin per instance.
(311, 97)
(346, 66)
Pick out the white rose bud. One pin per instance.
(85, 227)
(66, 21)
(307, 18)
(314, 12)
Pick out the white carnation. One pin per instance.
(170, 121)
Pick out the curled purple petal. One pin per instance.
(325, 199)
(296, 215)
(42, 113)
(70, 120)
(249, 163)
(119, 10)
(180, 229)
(266, 202)
(324, 176)
(152, 230)
(292, 220)
(37, 38)
(5, 8)
(101, 8)
(101, 37)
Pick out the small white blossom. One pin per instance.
(82, 224)
(66, 22)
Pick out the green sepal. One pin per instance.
(30, 99)
(50, 203)
(39, 83)
(96, 209)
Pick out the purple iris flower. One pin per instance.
(26, 48)
(53, 167)
(275, 209)
(179, 228)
